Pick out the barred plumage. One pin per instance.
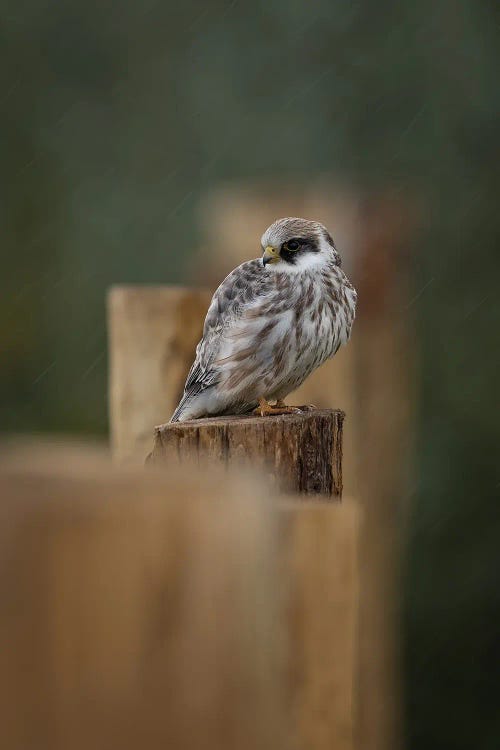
(271, 322)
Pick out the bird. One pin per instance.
(270, 324)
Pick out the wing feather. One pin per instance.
(244, 289)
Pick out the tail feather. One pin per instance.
(176, 416)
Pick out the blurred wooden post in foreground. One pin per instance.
(303, 452)
(153, 332)
(134, 618)
(322, 553)
(197, 614)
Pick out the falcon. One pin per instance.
(270, 324)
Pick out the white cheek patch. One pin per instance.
(307, 262)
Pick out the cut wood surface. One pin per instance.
(153, 332)
(302, 452)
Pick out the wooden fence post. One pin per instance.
(303, 452)
(385, 405)
(134, 615)
(321, 557)
(153, 332)
(191, 613)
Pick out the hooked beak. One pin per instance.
(270, 255)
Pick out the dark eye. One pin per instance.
(292, 245)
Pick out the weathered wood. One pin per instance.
(302, 452)
(321, 555)
(153, 332)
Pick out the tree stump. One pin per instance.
(302, 452)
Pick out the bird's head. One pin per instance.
(294, 244)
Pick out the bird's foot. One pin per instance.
(265, 409)
(305, 407)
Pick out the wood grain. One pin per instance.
(301, 452)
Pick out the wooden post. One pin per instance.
(385, 402)
(134, 615)
(153, 332)
(303, 452)
(131, 604)
(321, 554)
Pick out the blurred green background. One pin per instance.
(115, 120)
